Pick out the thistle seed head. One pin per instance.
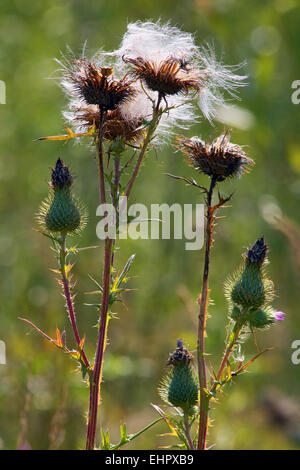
(115, 126)
(169, 61)
(168, 77)
(96, 85)
(219, 160)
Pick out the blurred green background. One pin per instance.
(43, 400)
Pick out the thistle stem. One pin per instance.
(146, 142)
(114, 197)
(229, 349)
(68, 296)
(95, 383)
(187, 428)
(204, 401)
(95, 377)
(100, 157)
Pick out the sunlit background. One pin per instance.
(43, 400)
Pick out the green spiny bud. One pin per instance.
(180, 388)
(250, 288)
(262, 317)
(236, 313)
(61, 213)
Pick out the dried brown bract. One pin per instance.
(115, 126)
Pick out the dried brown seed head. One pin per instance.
(115, 125)
(219, 160)
(96, 86)
(169, 77)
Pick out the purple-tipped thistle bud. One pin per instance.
(251, 289)
(257, 254)
(61, 213)
(250, 292)
(61, 176)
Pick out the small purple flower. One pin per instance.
(279, 316)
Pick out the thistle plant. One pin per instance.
(125, 103)
(249, 291)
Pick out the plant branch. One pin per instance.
(229, 349)
(204, 401)
(95, 378)
(151, 129)
(68, 296)
(187, 428)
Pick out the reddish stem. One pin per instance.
(144, 147)
(69, 300)
(95, 377)
(95, 381)
(228, 350)
(203, 418)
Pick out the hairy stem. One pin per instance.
(68, 296)
(204, 402)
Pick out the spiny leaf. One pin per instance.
(70, 135)
(77, 250)
(245, 366)
(121, 277)
(125, 438)
(68, 268)
(96, 282)
(48, 235)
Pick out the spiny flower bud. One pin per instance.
(61, 213)
(262, 317)
(249, 292)
(250, 287)
(180, 387)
